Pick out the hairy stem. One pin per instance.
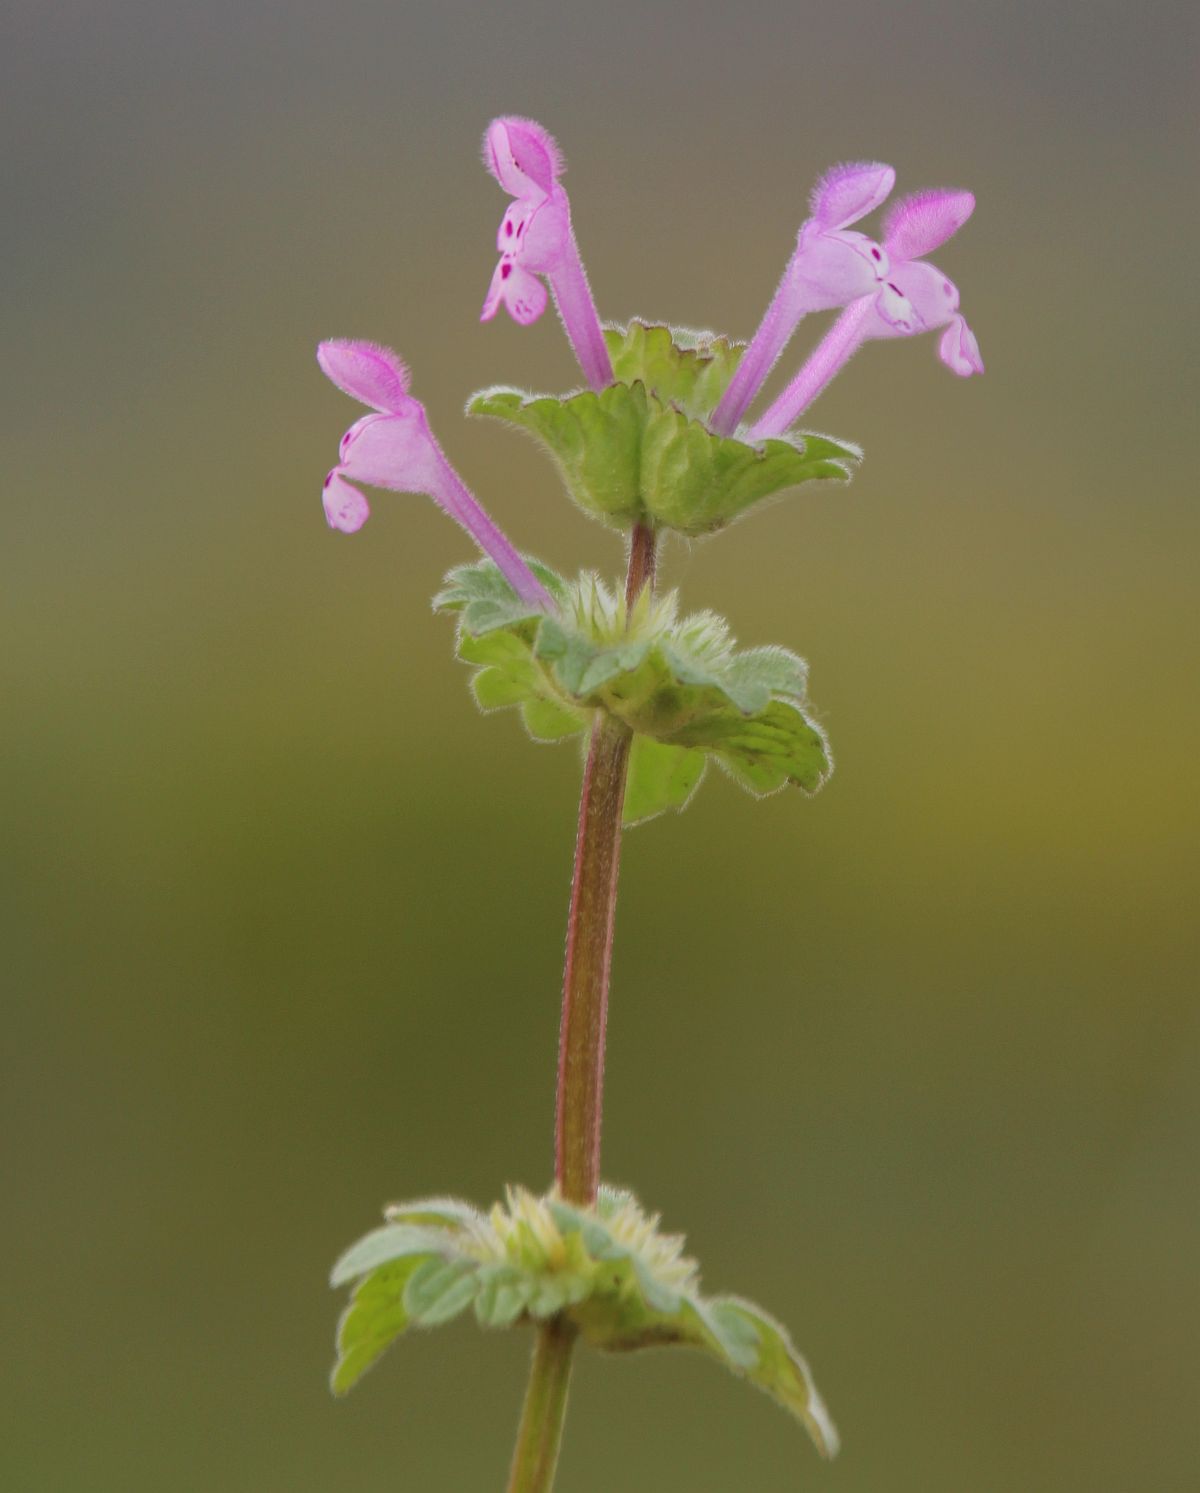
(589, 956)
(590, 928)
(581, 1043)
(643, 558)
(540, 1433)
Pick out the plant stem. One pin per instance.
(590, 928)
(540, 1433)
(581, 1043)
(589, 955)
(643, 548)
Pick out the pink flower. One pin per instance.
(830, 267)
(536, 238)
(917, 298)
(394, 448)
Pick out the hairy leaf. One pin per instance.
(660, 777)
(689, 370)
(392, 1242)
(609, 1269)
(639, 452)
(374, 1319)
(684, 690)
(439, 1290)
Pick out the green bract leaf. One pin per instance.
(609, 1269)
(627, 458)
(639, 452)
(688, 370)
(679, 684)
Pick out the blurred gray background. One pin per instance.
(914, 1064)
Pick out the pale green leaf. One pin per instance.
(593, 438)
(768, 751)
(392, 1242)
(486, 600)
(446, 1213)
(630, 455)
(546, 720)
(678, 683)
(776, 1366)
(750, 679)
(439, 1290)
(660, 777)
(374, 1319)
(689, 370)
(497, 688)
(504, 1293)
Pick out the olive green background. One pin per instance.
(914, 1064)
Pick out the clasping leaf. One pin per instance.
(639, 451)
(608, 1269)
(689, 696)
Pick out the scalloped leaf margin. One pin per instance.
(609, 1269)
(679, 684)
(640, 452)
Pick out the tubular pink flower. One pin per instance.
(829, 268)
(393, 447)
(917, 298)
(536, 238)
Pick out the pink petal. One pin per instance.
(546, 239)
(513, 224)
(831, 269)
(392, 451)
(495, 293)
(895, 309)
(523, 293)
(371, 374)
(345, 507)
(522, 156)
(917, 298)
(847, 193)
(959, 350)
(917, 225)
(399, 452)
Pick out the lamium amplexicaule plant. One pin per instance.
(658, 443)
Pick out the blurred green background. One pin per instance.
(915, 1063)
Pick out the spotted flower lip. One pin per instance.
(536, 239)
(393, 447)
(831, 266)
(915, 297)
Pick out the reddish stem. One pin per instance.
(643, 556)
(581, 1042)
(589, 957)
(590, 930)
